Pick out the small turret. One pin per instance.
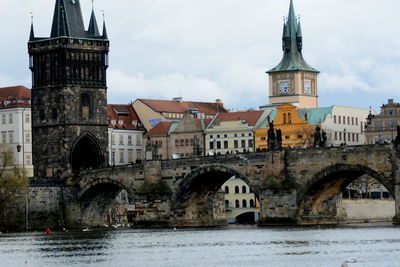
(93, 30)
(299, 37)
(32, 34)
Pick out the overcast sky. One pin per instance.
(208, 49)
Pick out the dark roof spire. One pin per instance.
(93, 30)
(67, 20)
(105, 36)
(32, 34)
(292, 45)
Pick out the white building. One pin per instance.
(125, 133)
(342, 125)
(15, 124)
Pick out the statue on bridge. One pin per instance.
(197, 151)
(317, 137)
(271, 137)
(151, 149)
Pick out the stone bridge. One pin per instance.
(299, 186)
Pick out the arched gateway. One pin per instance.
(86, 153)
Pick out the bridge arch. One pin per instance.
(196, 198)
(318, 196)
(86, 153)
(96, 197)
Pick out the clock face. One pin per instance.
(284, 87)
(307, 88)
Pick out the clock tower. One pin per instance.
(293, 80)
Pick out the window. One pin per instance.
(235, 143)
(225, 135)
(218, 136)
(289, 118)
(250, 143)
(113, 139)
(235, 135)
(225, 144)
(211, 136)
(284, 118)
(352, 120)
(4, 137)
(250, 134)
(187, 142)
(28, 159)
(243, 143)
(344, 137)
(27, 118)
(121, 139)
(237, 203)
(357, 121)
(348, 120)
(336, 136)
(85, 105)
(244, 203)
(340, 120)
(3, 118)
(139, 154)
(244, 189)
(211, 145)
(263, 138)
(344, 120)
(236, 189)
(357, 137)
(182, 142)
(11, 137)
(10, 118)
(176, 142)
(340, 136)
(121, 156)
(251, 203)
(353, 137)
(27, 137)
(226, 189)
(129, 140)
(242, 134)
(159, 142)
(226, 204)
(113, 157)
(219, 145)
(130, 155)
(287, 137)
(334, 119)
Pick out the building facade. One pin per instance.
(179, 139)
(69, 94)
(15, 125)
(293, 81)
(232, 132)
(382, 128)
(239, 200)
(125, 133)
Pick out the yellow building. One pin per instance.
(241, 204)
(296, 132)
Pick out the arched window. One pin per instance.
(244, 189)
(237, 203)
(226, 189)
(289, 118)
(226, 204)
(244, 203)
(236, 189)
(252, 203)
(284, 118)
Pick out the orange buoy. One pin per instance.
(48, 231)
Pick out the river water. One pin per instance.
(362, 245)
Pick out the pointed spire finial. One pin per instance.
(93, 30)
(105, 36)
(32, 34)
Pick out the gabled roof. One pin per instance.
(161, 128)
(15, 96)
(125, 114)
(251, 117)
(173, 106)
(292, 45)
(314, 116)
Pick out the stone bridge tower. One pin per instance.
(69, 94)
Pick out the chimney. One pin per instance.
(178, 99)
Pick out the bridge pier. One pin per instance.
(396, 181)
(278, 207)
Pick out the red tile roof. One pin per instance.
(15, 96)
(124, 113)
(182, 107)
(160, 128)
(250, 116)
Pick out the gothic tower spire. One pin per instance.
(293, 80)
(67, 19)
(93, 30)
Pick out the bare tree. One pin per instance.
(307, 136)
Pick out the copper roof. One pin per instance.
(15, 96)
(182, 107)
(161, 128)
(125, 114)
(250, 116)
